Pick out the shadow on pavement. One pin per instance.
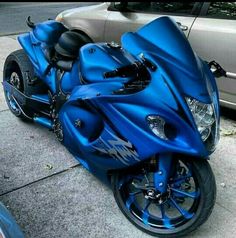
(228, 113)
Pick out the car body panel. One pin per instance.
(81, 19)
(218, 37)
(120, 22)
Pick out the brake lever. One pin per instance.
(148, 63)
(219, 71)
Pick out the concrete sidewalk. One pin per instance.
(51, 195)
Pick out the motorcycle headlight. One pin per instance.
(203, 115)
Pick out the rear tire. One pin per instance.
(202, 208)
(18, 70)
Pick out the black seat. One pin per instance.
(69, 44)
(63, 53)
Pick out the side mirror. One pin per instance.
(216, 69)
(120, 6)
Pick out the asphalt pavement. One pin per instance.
(13, 21)
(51, 195)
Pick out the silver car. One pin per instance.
(209, 26)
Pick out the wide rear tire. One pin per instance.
(18, 71)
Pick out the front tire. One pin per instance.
(182, 211)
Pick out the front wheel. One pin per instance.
(187, 204)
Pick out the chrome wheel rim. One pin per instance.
(15, 81)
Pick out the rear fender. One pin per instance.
(26, 43)
(33, 49)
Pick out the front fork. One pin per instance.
(162, 174)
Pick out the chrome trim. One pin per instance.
(21, 109)
(227, 102)
(231, 75)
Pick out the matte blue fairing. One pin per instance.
(163, 42)
(124, 137)
(49, 31)
(71, 79)
(95, 59)
(34, 43)
(108, 131)
(34, 50)
(127, 115)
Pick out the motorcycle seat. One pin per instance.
(65, 51)
(62, 63)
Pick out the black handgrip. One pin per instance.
(124, 71)
(110, 74)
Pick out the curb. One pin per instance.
(13, 33)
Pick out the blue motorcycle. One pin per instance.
(8, 226)
(142, 116)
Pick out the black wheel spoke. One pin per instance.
(164, 217)
(145, 215)
(124, 180)
(182, 211)
(127, 179)
(129, 201)
(136, 192)
(147, 204)
(181, 178)
(192, 195)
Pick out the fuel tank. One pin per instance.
(70, 79)
(95, 59)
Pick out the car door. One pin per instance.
(213, 37)
(135, 14)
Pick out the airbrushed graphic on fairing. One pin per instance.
(117, 149)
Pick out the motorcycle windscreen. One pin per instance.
(165, 42)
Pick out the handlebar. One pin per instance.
(110, 74)
(131, 69)
(124, 71)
